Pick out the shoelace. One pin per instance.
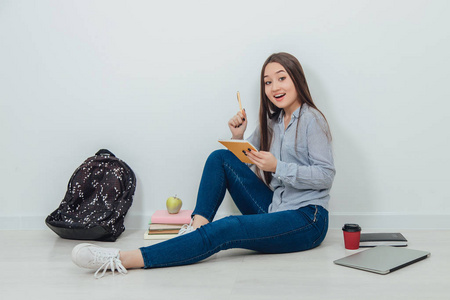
(186, 228)
(110, 261)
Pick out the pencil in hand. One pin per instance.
(239, 100)
(240, 106)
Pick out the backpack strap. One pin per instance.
(105, 152)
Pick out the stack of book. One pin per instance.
(163, 226)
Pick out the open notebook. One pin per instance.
(239, 147)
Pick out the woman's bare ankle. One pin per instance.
(132, 259)
(199, 221)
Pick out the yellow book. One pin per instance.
(148, 236)
(156, 226)
(238, 147)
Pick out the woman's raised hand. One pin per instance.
(238, 125)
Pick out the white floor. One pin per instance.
(37, 265)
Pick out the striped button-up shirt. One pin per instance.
(305, 167)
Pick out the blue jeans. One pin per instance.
(256, 229)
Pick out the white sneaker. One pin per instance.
(93, 257)
(186, 228)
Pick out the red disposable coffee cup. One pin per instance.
(352, 234)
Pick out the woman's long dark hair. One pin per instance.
(268, 111)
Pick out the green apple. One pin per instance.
(173, 204)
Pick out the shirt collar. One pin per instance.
(295, 115)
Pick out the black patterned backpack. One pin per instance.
(98, 196)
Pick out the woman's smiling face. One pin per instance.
(279, 88)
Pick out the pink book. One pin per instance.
(163, 217)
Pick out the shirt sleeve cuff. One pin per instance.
(281, 170)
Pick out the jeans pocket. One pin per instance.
(310, 213)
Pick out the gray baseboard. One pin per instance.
(365, 220)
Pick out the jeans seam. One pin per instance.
(244, 187)
(216, 207)
(322, 231)
(217, 203)
(324, 227)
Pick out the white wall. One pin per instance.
(155, 82)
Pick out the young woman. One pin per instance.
(283, 205)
